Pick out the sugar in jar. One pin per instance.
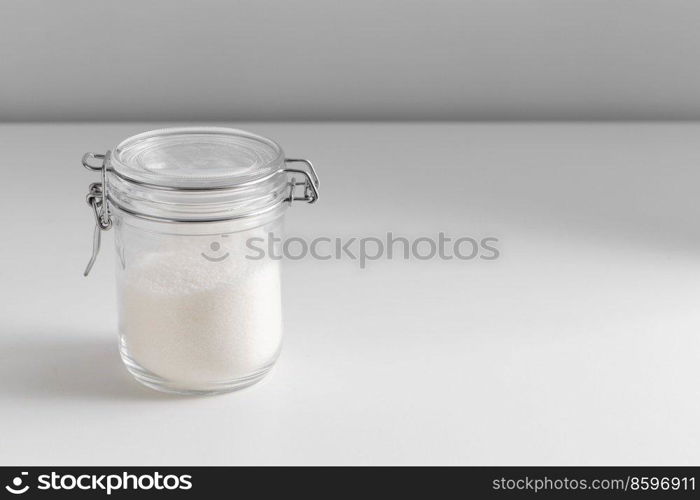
(198, 312)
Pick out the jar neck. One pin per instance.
(160, 204)
(123, 218)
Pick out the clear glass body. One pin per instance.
(199, 303)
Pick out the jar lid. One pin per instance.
(196, 157)
(201, 174)
(196, 175)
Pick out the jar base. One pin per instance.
(153, 381)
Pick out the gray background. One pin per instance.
(349, 60)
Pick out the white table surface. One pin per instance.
(580, 345)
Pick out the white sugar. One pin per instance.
(196, 322)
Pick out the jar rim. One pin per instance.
(196, 174)
(196, 158)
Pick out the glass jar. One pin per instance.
(193, 212)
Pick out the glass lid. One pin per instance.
(196, 157)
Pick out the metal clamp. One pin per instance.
(310, 182)
(97, 199)
(92, 156)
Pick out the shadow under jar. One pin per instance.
(193, 211)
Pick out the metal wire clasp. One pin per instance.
(97, 199)
(310, 182)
